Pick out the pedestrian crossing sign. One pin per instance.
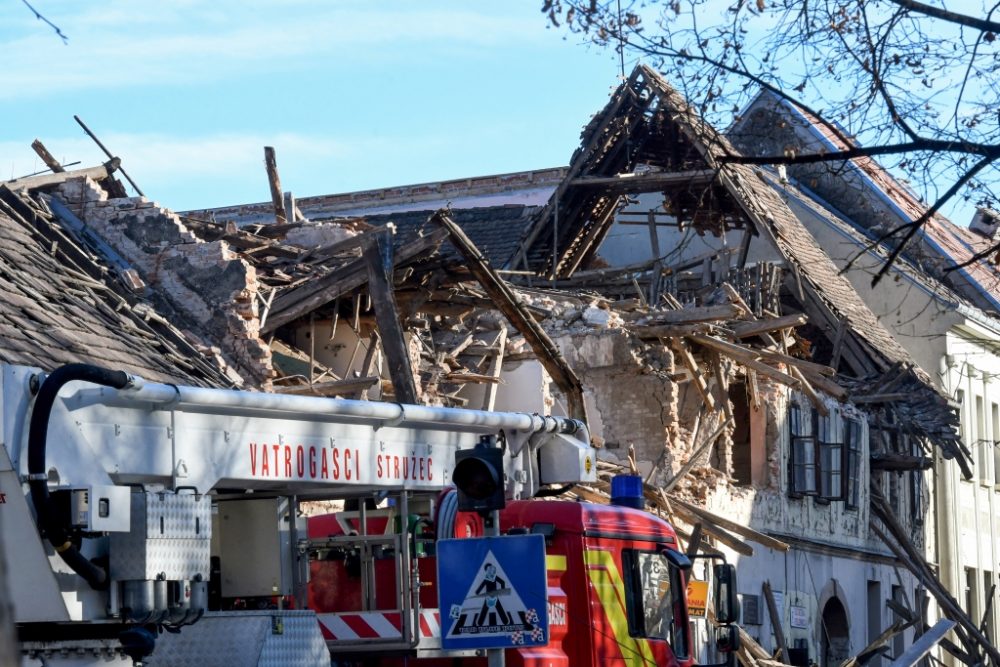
(493, 592)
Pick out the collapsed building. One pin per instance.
(771, 414)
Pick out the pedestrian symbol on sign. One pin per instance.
(493, 592)
(491, 606)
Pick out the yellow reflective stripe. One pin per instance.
(555, 562)
(610, 589)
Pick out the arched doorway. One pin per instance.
(835, 640)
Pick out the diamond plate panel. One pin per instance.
(170, 537)
(262, 638)
(300, 643)
(171, 516)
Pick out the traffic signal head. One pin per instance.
(478, 476)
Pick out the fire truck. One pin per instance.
(159, 524)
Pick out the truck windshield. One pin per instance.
(655, 598)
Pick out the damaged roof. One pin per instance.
(956, 255)
(60, 303)
(648, 139)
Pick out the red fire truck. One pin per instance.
(150, 523)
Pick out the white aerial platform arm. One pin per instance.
(115, 471)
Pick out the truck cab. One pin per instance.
(620, 599)
(616, 587)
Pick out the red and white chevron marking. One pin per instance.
(375, 625)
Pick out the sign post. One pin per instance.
(493, 594)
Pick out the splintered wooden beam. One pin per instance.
(656, 181)
(655, 331)
(746, 357)
(378, 257)
(692, 367)
(496, 366)
(274, 181)
(729, 524)
(696, 455)
(366, 364)
(350, 386)
(776, 627)
(806, 388)
(757, 327)
(96, 173)
(293, 303)
(508, 303)
(689, 315)
(46, 156)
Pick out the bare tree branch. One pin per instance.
(52, 25)
(951, 17)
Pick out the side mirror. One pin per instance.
(677, 559)
(727, 639)
(727, 605)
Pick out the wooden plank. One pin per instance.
(742, 352)
(741, 355)
(728, 524)
(349, 386)
(496, 367)
(654, 244)
(96, 173)
(274, 181)
(657, 331)
(695, 455)
(378, 257)
(715, 531)
(366, 364)
(508, 303)
(806, 388)
(757, 327)
(722, 382)
(689, 315)
(624, 183)
(46, 156)
(692, 367)
(775, 615)
(299, 301)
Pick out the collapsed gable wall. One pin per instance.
(206, 287)
(630, 396)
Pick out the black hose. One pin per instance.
(549, 492)
(58, 534)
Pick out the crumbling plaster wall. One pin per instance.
(205, 286)
(630, 397)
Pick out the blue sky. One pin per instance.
(352, 94)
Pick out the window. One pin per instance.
(654, 599)
(852, 436)
(970, 592)
(831, 456)
(825, 456)
(995, 435)
(984, 447)
(742, 455)
(802, 458)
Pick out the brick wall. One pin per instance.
(205, 288)
(630, 396)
